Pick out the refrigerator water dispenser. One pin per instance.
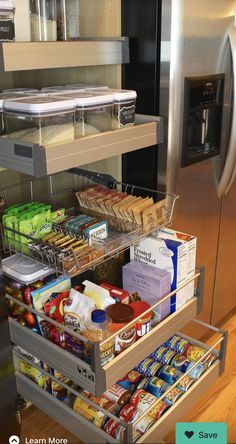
(203, 108)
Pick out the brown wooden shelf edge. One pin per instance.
(23, 56)
(39, 161)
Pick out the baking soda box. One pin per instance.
(174, 252)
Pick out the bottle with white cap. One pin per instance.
(7, 22)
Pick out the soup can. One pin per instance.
(143, 365)
(170, 374)
(167, 357)
(142, 400)
(173, 395)
(197, 371)
(89, 412)
(193, 352)
(131, 380)
(156, 386)
(186, 383)
(180, 362)
(114, 429)
(129, 413)
(144, 424)
(209, 360)
(177, 344)
(159, 410)
(153, 369)
(157, 354)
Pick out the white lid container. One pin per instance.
(86, 86)
(24, 269)
(88, 99)
(7, 5)
(122, 95)
(39, 104)
(6, 96)
(53, 88)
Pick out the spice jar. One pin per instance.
(143, 324)
(43, 20)
(122, 314)
(7, 24)
(67, 19)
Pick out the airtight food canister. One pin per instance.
(7, 23)
(39, 119)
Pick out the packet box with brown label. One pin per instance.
(120, 295)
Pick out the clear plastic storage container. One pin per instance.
(43, 20)
(20, 91)
(3, 97)
(124, 107)
(67, 19)
(7, 21)
(86, 86)
(42, 120)
(93, 112)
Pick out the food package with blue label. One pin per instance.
(149, 283)
(168, 255)
(191, 242)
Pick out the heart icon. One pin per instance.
(189, 434)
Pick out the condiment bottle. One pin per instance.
(98, 329)
(122, 314)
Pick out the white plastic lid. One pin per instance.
(86, 86)
(24, 269)
(39, 104)
(53, 88)
(7, 4)
(20, 90)
(5, 96)
(83, 99)
(120, 95)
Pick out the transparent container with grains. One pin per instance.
(42, 120)
(43, 20)
(7, 21)
(67, 19)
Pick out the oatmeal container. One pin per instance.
(7, 21)
(40, 120)
(93, 112)
(124, 108)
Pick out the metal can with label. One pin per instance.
(153, 369)
(156, 386)
(167, 357)
(185, 383)
(157, 354)
(143, 365)
(129, 413)
(180, 362)
(142, 400)
(173, 395)
(159, 410)
(118, 394)
(197, 371)
(144, 424)
(89, 412)
(177, 343)
(169, 374)
(114, 429)
(193, 352)
(131, 380)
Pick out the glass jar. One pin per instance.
(39, 119)
(67, 19)
(43, 20)
(7, 23)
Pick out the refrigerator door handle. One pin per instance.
(229, 171)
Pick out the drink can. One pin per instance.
(142, 400)
(169, 374)
(173, 395)
(156, 386)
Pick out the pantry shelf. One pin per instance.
(94, 377)
(25, 56)
(39, 161)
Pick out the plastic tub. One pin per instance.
(93, 113)
(7, 21)
(43, 120)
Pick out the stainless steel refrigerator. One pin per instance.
(183, 66)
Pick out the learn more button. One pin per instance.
(201, 433)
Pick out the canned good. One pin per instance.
(167, 357)
(181, 363)
(118, 394)
(185, 383)
(131, 380)
(159, 409)
(173, 395)
(129, 413)
(135, 435)
(89, 412)
(149, 367)
(143, 365)
(142, 400)
(209, 360)
(144, 424)
(142, 383)
(169, 374)
(104, 402)
(177, 343)
(114, 429)
(156, 386)
(193, 352)
(197, 371)
(157, 354)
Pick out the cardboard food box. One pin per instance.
(151, 284)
